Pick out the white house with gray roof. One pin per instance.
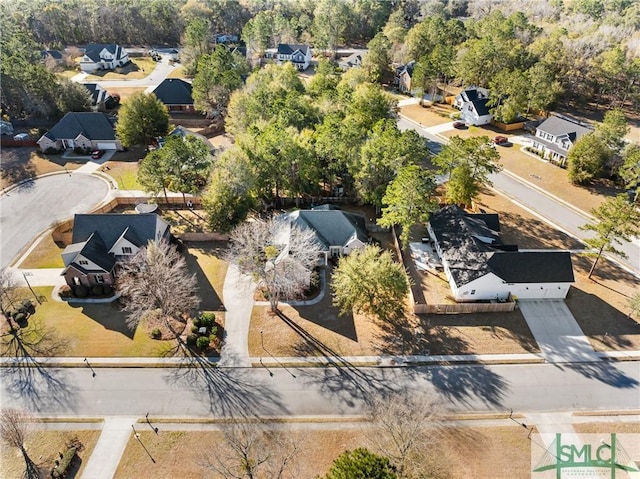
(89, 130)
(99, 241)
(479, 267)
(299, 55)
(338, 232)
(103, 56)
(556, 135)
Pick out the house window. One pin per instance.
(473, 291)
(83, 262)
(126, 250)
(99, 279)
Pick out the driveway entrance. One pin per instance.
(556, 331)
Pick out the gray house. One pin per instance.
(176, 95)
(99, 241)
(103, 56)
(90, 130)
(339, 232)
(556, 135)
(299, 55)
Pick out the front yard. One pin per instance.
(23, 163)
(138, 67)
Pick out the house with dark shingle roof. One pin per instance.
(103, 56)
(55, 56)
(479, 267)
(99, 241)
(88, 130)
(99, 96)
(176, 95)
(338, 232)
(299, 55)
(556, 135)
(472, 103)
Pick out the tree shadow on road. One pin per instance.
(227, 392)
(605, 372)
(26, 378)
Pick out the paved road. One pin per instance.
(210, 391)
(32, 207)
(552, 210)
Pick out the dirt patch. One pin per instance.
(429, 115)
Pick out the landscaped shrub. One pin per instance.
(27, 307)
(202, 342)
(81, 291)
(197, 322)
(97, 290)
(19, 317)
(64, 463)
(65, 291)
(207, 319)
(214, 331)
(194, 329)
(78, 150)
(155, 333)
(191, 339)
(51, 151)
(107, 289)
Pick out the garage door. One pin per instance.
(107, 146)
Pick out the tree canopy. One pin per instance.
(361, 464)
(140, 119)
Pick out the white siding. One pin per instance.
(116, 249)
(487, 287)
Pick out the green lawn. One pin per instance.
(177, 72)
(139, 67)
(46, 255)
(125, 173)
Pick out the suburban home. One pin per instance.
(479, 267)
(99, 96)
(88, 130)
(175, 93)
(99, 241)
(183, 132)
(54, 56)
(403, 76)
(472, 103)
(225, 39)
(103, 56)
(338, 232)
(556, 135)
(171, 54)
(353, 60)
(299, 55)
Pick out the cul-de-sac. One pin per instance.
(319, 239)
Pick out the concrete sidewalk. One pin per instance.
(104, 459)
(556, 331)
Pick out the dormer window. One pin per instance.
(83, 262)
(126, 250)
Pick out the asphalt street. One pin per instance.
(29, 209)
(206, 391)
(558, 213)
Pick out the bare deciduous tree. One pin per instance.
(277, 254)
(252, 450)
(8, 292)
(403, 428)
(156, 278)
(15, 427)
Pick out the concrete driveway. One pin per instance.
(556, 331)
(29, 209)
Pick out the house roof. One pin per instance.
(472, 248)
(174, 91)
(98, 94)
(480, 105)
(55, 54)
(332, 227)
(557, 126)
(289, 49)
(93, 51)
(355, 59)
(138, 228)
(92, 125)
(94, 250)
(184, 132)
(532, 266)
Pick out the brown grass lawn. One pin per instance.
(139, 67)
(604, 427)
(124, 172)
(22, 163)
(462, 452)
(431, 115)
(204, 258)
(43, 448)
(45, 255)
(126, 91)
(177, 72)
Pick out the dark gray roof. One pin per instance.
(55, 54)
(333, 227)
(96, 251)
(111, 227)
(469, 257)
(93, 125)
(556, 126)
(287, 49)
(93, 50)
(98, 93)
(533, 266)
(480, 105)
(174, 91)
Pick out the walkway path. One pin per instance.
(106, 455)
(556, 331)
(237, 294)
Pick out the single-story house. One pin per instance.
(176, 94)
(183, 132)
(353, 60)
(479, 267)
(100, 96)
(556, 135)
(299, 55)
(54, 56)
(169, 53)
(89, 130)
(472, 103)
(99, 241)
(103, 56)
(338, 232)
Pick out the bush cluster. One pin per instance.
(155, 333)
(61, 467)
